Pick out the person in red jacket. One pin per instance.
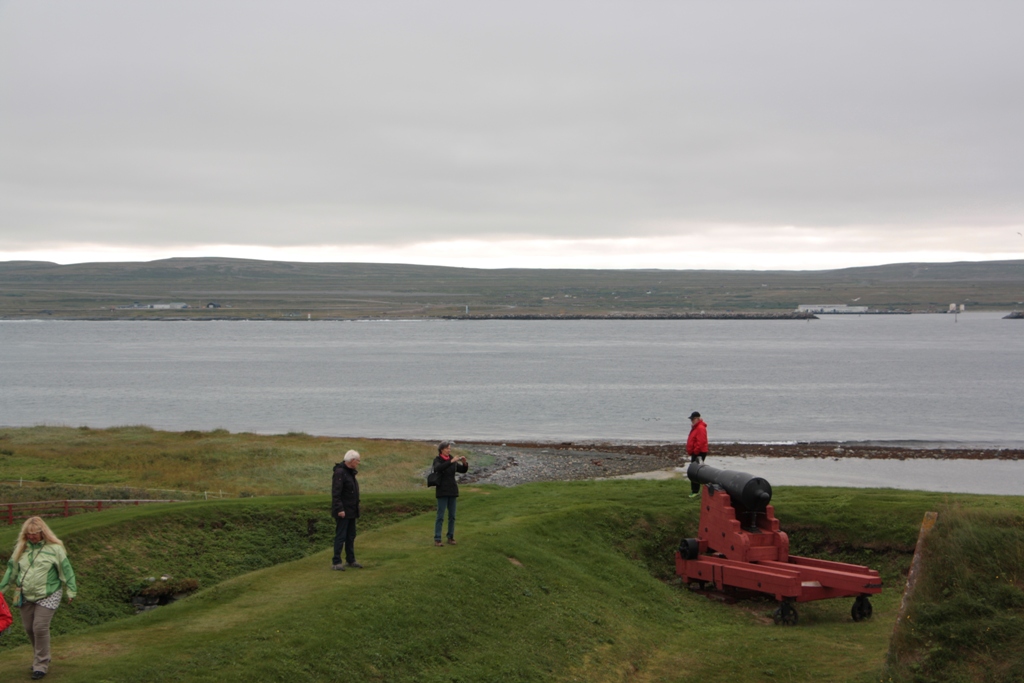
(5, 615)
(697, 446)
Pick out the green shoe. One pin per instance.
(694, 495)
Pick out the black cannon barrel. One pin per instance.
(747, 491)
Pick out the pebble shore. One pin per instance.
(524, 462)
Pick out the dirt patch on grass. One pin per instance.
(96, 648)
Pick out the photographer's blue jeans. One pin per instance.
(445, 503)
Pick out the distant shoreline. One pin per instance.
(511, 317)
(304, 317)
(728, 315)
(824, 449)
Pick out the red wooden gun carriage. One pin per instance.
(739, 545)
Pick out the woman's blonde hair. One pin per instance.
(34, 525)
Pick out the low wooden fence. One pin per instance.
(10, 512)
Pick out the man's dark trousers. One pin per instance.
(344, 535)
(694, 486)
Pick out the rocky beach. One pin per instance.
(523, 462)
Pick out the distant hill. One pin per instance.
(238, 288)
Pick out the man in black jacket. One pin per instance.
(446, 467)
(345, 510)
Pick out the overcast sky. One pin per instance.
(542, 134)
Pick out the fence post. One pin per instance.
(66, 513)
(10, 513)
(99, 506)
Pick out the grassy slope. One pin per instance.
(966, 620)
(116, 552)
(587, 602)
(592, 600)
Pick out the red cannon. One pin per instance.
(739, 545)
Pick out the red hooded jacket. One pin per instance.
(697, 442)
(5, 614)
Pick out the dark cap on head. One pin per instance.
(694, 414)
(443, 445)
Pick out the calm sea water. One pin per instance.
(995, 477)
(901, 379)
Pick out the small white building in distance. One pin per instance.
(136, 304)
(831, 308)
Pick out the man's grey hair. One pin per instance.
(352, 455)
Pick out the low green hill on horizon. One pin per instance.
(238, 288)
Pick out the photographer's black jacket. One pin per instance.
(446, 469)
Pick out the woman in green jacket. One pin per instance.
(41, 574)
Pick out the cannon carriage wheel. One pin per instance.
(689, 548)
(786, 614)
(861, 608)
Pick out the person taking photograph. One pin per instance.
(446, 466)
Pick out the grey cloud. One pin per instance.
(290, 123)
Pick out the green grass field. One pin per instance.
(562, 581)
(549, 582)
(124, 461)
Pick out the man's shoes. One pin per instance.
(451, 541)
(338, 567)
(36, 675)
(355, 565)
(438, 544)
(694, 495)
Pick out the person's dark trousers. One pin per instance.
(694, 486)
(445, 503)
(344, 535)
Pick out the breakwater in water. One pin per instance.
(711, 315)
